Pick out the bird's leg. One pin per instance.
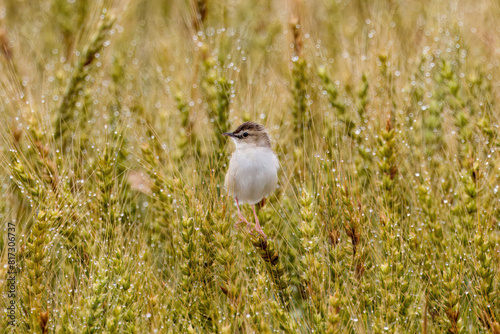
(240, 215)
(257, 225)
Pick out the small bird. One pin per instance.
(253, 169)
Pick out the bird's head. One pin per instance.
(250, 134)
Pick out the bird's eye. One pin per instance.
(245, 134)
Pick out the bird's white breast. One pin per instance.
(252, 173)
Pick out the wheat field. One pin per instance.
(383, 114)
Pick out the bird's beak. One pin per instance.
(229, 134)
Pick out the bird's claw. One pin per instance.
(241, 221)
(261, 232)
(250, 228)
